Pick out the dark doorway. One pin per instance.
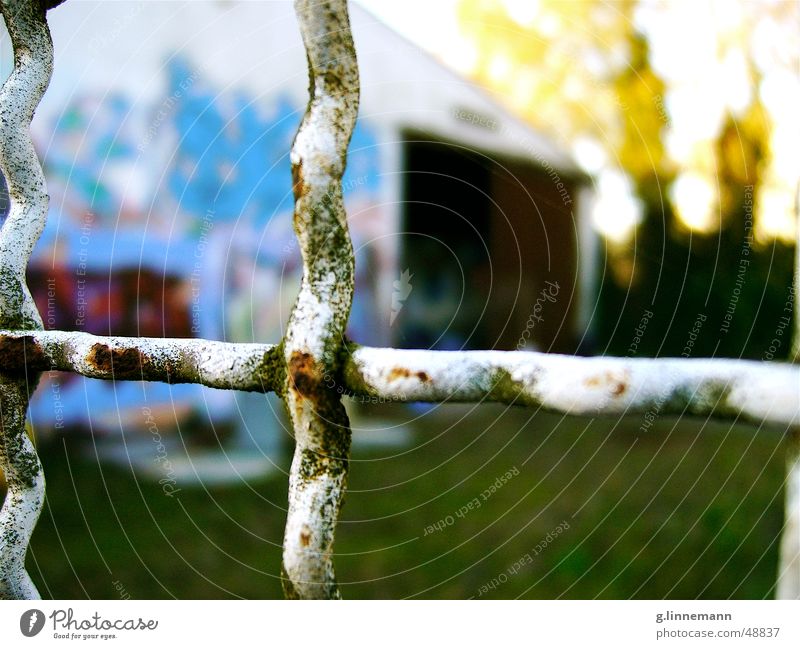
(490, 247)
(446, 247)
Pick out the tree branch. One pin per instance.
(19, 97)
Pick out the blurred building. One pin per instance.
(165, 137)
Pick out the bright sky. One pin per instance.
(438, 32)
(703, 84)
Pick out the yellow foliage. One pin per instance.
(582, 70)
(579, 69)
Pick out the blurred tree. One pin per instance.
(704, 240)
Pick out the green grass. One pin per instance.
(690, 509)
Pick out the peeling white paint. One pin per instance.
(19, 97)
(756, 391)
(788, 586)
(228, 366)
(315, 333)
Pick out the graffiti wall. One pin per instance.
(175, 219)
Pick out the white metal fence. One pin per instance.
(314, 365)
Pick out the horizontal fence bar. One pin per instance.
(754, 391)
(227, 366)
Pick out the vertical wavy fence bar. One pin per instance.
(19, 97)
(788, 586)
(314, 365)
(315, 335)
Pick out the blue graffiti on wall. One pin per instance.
(224, 156)
(234, 160)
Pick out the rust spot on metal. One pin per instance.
(617, 385)
(120, 362)
(298, 185)
(18, 353)
(404, 373)
(303, 374)
(398, 373)
(131, 363)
